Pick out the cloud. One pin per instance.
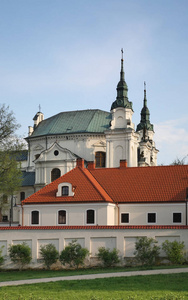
(171, 139)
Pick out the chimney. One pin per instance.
(91, 165)
(80, 163)
(123, 164)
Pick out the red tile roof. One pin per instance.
(126, 185)
(144, 184)
(86, 189)
(105, 227)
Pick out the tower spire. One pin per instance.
(122, 89)
(145, 115)
(122, 74)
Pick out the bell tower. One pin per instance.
(121, 139)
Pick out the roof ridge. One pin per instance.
(96, 185)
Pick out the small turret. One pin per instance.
(145, 116)
(122, 89)
(39, 117)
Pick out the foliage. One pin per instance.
(20, 254)
(1, 256)
(174, 251)
(73, 254)
(146, 250)
(179, 161)
(10, 147)
(109, 258)
(49, 254)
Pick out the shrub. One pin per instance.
(20, 254)
(49, 254)
(73, 254)
(109, 258)
(146, 250)
(1, 257)
(174, 251)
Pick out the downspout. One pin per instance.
(22, 215)
(118, 213)
(186, 212)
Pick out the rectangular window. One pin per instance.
(90, 216)
(151, 217)
(35, 217)
(176, 217)
(125, 218)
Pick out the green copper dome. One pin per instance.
(122, 89)
(145, 116)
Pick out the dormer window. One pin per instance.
(64, 189)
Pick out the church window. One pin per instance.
(90, 219)
(35, 217)
(125, 218)
(56, 152)
(176, 217)
(151, 217)
(61, 217)
(56, 173)
(100, 158)
(65, 190)
(22, 196)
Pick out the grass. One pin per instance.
(9, 275)
(155, 287)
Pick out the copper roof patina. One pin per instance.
(80, 121)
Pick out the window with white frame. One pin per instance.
(61, 217)
(151, 217)
(35, 217)
(177, 217)
(125, 218)
(65, 190)
(90, 216)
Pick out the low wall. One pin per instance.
(92, 237)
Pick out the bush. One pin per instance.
(49, 254)
(146, 250)
(174, 251)
(1, 257)
(109, 258)
(73, 254)
(20, 254)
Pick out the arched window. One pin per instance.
(35, 217)
(100, 158)
(56, 173)
(90, 218)
(65, 190)
(61, 217)
(22, 196)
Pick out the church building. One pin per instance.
(55, 143)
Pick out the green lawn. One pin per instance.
(31, 274)
(163, 287)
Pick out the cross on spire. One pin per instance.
(39, 108)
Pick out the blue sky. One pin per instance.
(65, 55)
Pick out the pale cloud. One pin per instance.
(171, 139)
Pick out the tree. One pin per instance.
(73, 254)
(10, 147)
(20, 254)
(49, 254)
(1, 256)
(174, 251)
(108, 257)
(146, 250)
(179, 161)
